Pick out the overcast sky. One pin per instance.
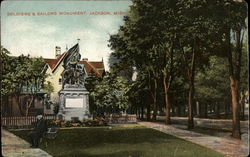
(38, 35)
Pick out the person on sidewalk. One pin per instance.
(40, 128)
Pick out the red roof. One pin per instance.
(97, 64)
(91, 67)
(53, 62)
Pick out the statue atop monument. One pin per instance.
(74, 97)
(74, 73)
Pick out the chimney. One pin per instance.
(58, 51)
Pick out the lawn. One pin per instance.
(120, 141)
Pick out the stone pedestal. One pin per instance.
(74, 103)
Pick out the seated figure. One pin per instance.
(39, 130)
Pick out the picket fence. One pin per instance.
(26, 121)
(22, 120)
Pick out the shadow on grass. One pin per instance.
(119, 142)
(91, 137)
(128, 136)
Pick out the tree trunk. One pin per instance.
(148, 112)
(154, 96)
(173, 111)
(242, 104)
(138, 113)
(235, 108)
(217, 110)
(28, 105)
(191, 93)
(190, 107)
(234, 71)
(17, 97)
(142, 112)
(214, 108)
(179, 110)
(167, 79)
(205, 110)
(226, 109)
(166, 89)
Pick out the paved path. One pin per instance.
(13, 146)
(223, 124)
(228, 147)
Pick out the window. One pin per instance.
(60, 81)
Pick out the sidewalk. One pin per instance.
(13, 146)
(229, 147)
(224, 124)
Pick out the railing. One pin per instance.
(121, 118)
(22, 121)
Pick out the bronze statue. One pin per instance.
(74, 73)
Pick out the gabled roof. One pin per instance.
(98, 65)
(53, 63)
(91, 66)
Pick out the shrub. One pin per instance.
(68, 124)
(54, 123)
(76, 123)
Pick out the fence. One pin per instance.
(121, 118)
(26, 121)
(22, 121)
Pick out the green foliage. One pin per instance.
(244, 69)
(111, 91)
(22, 74)
(175, 40)
(48, 87)
(84, 123)
(213, 84)
(4, 56)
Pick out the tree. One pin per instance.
(232, 24)
(111, 94)
(211, 85)
(4, 66)
(90, 84)
(146, 40)
(197, 40)
(160, 38)
(23, 75)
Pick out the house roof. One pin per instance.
(91, 66)
(53, 62)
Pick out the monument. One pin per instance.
(74, 98)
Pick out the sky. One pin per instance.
(37, 33)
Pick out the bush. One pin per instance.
(76, 123)
(54, 123)
(68, 124)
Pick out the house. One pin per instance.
(16, 105)
(55, 69)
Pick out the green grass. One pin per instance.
(120, 141)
